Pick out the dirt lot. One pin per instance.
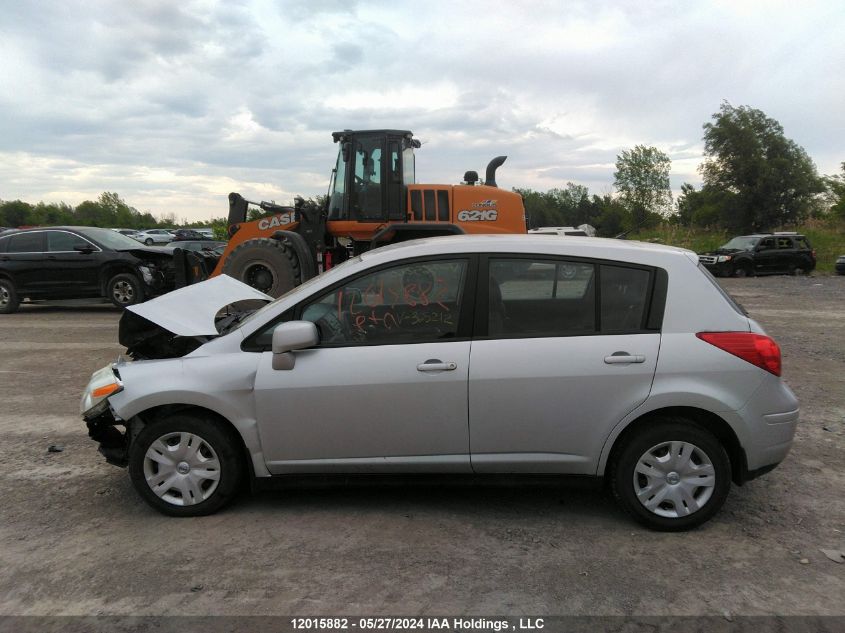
(75, 539)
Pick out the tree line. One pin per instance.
(754, 179)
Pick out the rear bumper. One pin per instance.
(767, 422)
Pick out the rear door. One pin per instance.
(567, 349)
(25, 260)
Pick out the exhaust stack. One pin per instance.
(494, 164)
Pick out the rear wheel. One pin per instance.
(9, 301)
(148, 241)
(671, 476)
(265, 264)
(185, 465)
(124, 290)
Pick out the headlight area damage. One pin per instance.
(169, 326)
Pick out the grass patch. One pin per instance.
(828, 240)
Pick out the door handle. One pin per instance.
(52, 258)
(435, 364)
(623, 358)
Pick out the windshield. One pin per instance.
(110, 239)
(740, 244)
(337, 271)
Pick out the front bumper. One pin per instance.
(840, 268)
(114, 444)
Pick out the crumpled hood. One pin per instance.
(190, 311)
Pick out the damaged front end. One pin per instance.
(99, 417)
(170, 326)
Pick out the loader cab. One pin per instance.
(373, 170)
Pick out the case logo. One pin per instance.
(281, 219)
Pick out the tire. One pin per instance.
(744, 270)
(149, 241)
(205, 465)
(124, 289)
(265, 264)
(9, 300)
(792, 270)
(707, 465)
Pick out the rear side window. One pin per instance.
(624, 297)
(540, 298)
(784, 242)
(26, 243)
(801, 242)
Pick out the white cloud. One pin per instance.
(173, 105)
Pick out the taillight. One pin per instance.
(814, 253)
(756, 349)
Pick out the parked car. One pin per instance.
(154, 236)
(67, 262)
(761, 254)
(462, 355)
(187, 234)
(126, 232)
(207, 233)
(558, 230)
(214, 246)
(840, 265)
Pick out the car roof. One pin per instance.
(597, 248)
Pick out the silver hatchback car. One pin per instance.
(465, 355)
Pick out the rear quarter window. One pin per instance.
(733, 303)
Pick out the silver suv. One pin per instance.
(466, 355)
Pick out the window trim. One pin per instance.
(652, 322)
(465, 318)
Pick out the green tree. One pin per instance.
(15, 213)
(642, 179)
(835, 194)
(772, 179)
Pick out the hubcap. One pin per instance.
(123, 292)
(259, 276)
(181, 468)
(674, 479)
(5, 297)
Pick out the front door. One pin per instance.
(552, 377)
(386, 389)
(73, 273)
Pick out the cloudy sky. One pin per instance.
(175, 104)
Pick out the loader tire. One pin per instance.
(265, 264)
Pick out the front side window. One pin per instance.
(541, 298)
(767, 243)
(26, 243)
(412, 303)
(60, 241)
(338, 188)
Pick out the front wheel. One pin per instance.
(671, 476)
(186, 465)
(744, 270)
(124, 290)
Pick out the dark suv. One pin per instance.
(761, 254)
(66, 262)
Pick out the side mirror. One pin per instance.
(83, 248)
(346, 151)
(291, 336)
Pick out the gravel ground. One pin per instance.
(76, 540)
